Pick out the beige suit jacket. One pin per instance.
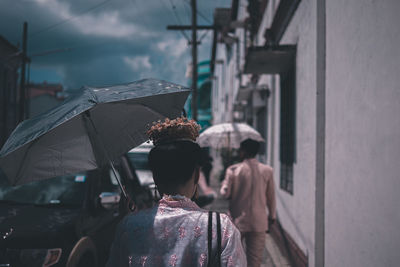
(250, 188)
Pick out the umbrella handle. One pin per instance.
(131, 203)
(118, 180)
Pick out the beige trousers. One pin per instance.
(254, 243)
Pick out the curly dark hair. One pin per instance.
(175, 155)
(169, 130)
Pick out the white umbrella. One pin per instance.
(228, 135)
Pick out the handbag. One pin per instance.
(214, 261)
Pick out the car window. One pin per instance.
(110, 183)
(63, 190)
(139, 160)
(113, 176)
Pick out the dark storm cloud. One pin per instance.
(108, 42)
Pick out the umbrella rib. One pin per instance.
(23, 162)
(87, 114)
(89, 119)
(152, 110)
(95, 99)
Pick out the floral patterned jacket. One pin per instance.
(173, 233)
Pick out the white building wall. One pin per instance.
(218, 86)
(221, 89)
(270, 81)
(362, 129)
(362, 133)
(296, 212)
(227, 83)
(231, 90)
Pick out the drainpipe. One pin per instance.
(321, 136)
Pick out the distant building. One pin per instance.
(10, 62)
(44, 96)
(204, 84)
(320, 80)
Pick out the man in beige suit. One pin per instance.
(249, 186)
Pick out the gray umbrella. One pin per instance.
(88, 130)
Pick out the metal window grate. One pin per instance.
(287, 128)
(286, 179)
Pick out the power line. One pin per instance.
(204, 35)
(48, 52)
(166, 7)
(187, 11)
(69, 19)
(69, 49)
(178, 19)
(200, 14)
(175, 13)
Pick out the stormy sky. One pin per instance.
(102, 42)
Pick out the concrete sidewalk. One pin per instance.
(272, 255)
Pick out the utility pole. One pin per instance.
(194, 60)
(194, 27)
(22, 91)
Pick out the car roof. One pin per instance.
(143, 148)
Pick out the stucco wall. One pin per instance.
(218, 101)
(296, 212)
(363, 133)
(227, 82)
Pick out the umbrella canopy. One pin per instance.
(88, 129)
(228, 135)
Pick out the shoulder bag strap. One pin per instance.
(219, 238)
(219, 246)
(210, 215)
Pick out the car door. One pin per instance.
(102, 222)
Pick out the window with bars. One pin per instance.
(262, 124)
(287, 128)
(286, 181)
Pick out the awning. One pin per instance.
(269, 60)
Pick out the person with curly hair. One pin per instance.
(176, 232)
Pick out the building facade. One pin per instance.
(319, 80)
(10, 62)
(203, 94)
(44, 96)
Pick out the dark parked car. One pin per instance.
(66, 221)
